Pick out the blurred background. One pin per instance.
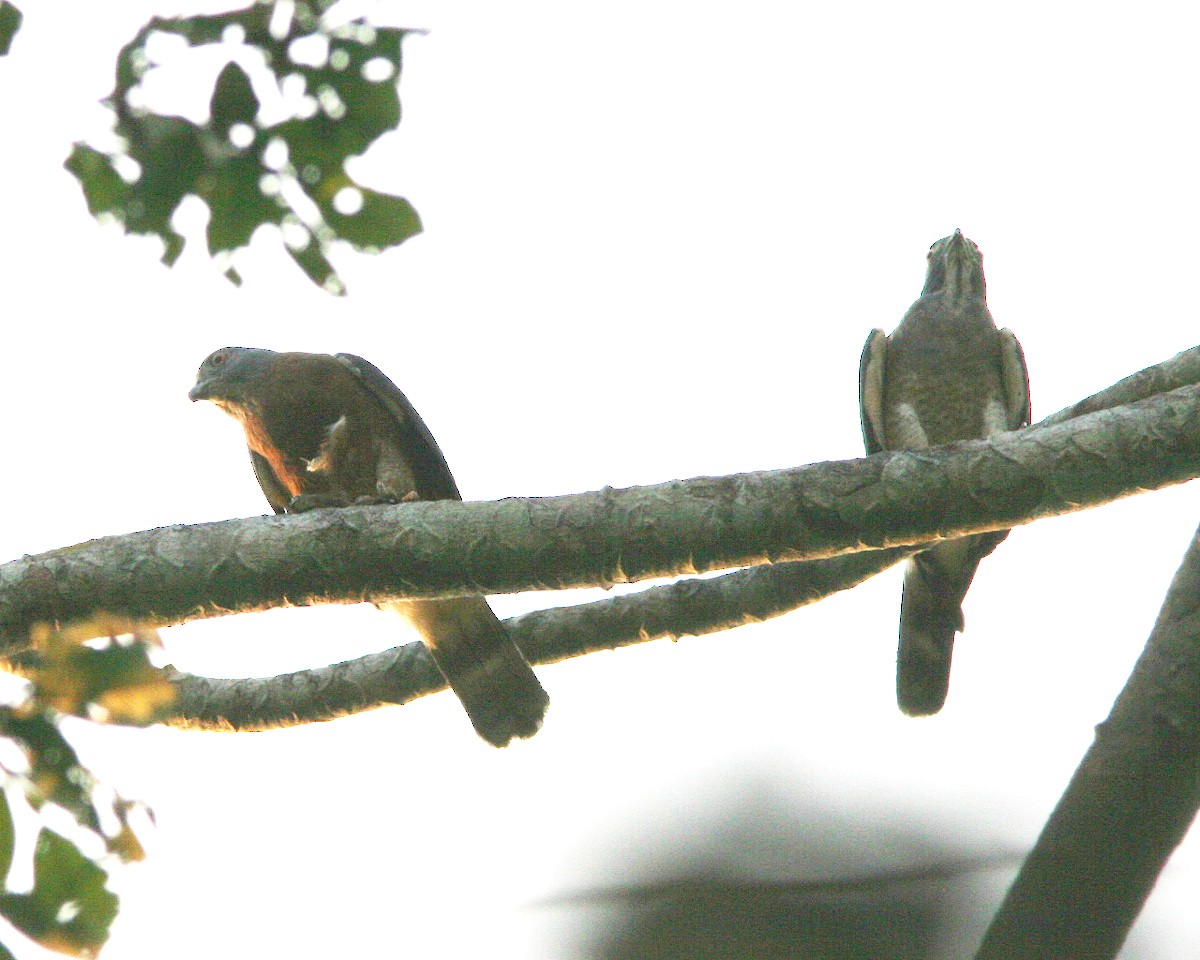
(656, 237)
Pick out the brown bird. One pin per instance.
(333, 430)
(945, 374)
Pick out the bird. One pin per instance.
(946, 373)
(331, 430)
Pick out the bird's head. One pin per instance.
(955, 268)
(226, 375)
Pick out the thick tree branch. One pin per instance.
(443, 548)
(1127, 808)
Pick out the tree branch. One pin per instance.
(690, 607)
(1127, 808)
(445, 548)
(178, 573)
(1181, 370)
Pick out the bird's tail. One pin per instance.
(483, 666)
(935, 584)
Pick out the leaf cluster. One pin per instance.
(249, 173)
(69, 908)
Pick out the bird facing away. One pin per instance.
(333, 430)
(945, 374)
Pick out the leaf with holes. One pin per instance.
(69, 909)
(348, 100)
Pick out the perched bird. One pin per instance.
(945, 374)
(333, 430)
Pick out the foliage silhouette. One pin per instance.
(340, 84)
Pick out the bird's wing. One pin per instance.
(1015, 377)
(870, 390)
(433, 478)
(276, 493)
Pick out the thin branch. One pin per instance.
(1127, 808)
(688, 608)
(1181, 370)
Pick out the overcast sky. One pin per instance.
(657, 235)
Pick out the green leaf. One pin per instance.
(38, 735)
(319, 270)
(171, 152)
(238, 205)
(55, 774)
(10, 23)
(103, 187)
(255, 20)
(169, 146)
(7, 835)
(233, 99)
(371, 107)
(69, 910)
(115, 680)
(382, 221)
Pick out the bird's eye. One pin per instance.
(218, 359)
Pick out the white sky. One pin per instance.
(657, 235)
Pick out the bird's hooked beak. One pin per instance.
(215, 387)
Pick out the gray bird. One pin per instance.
(945, 374)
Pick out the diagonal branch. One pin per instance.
(1127, 808)
(1180, 370)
